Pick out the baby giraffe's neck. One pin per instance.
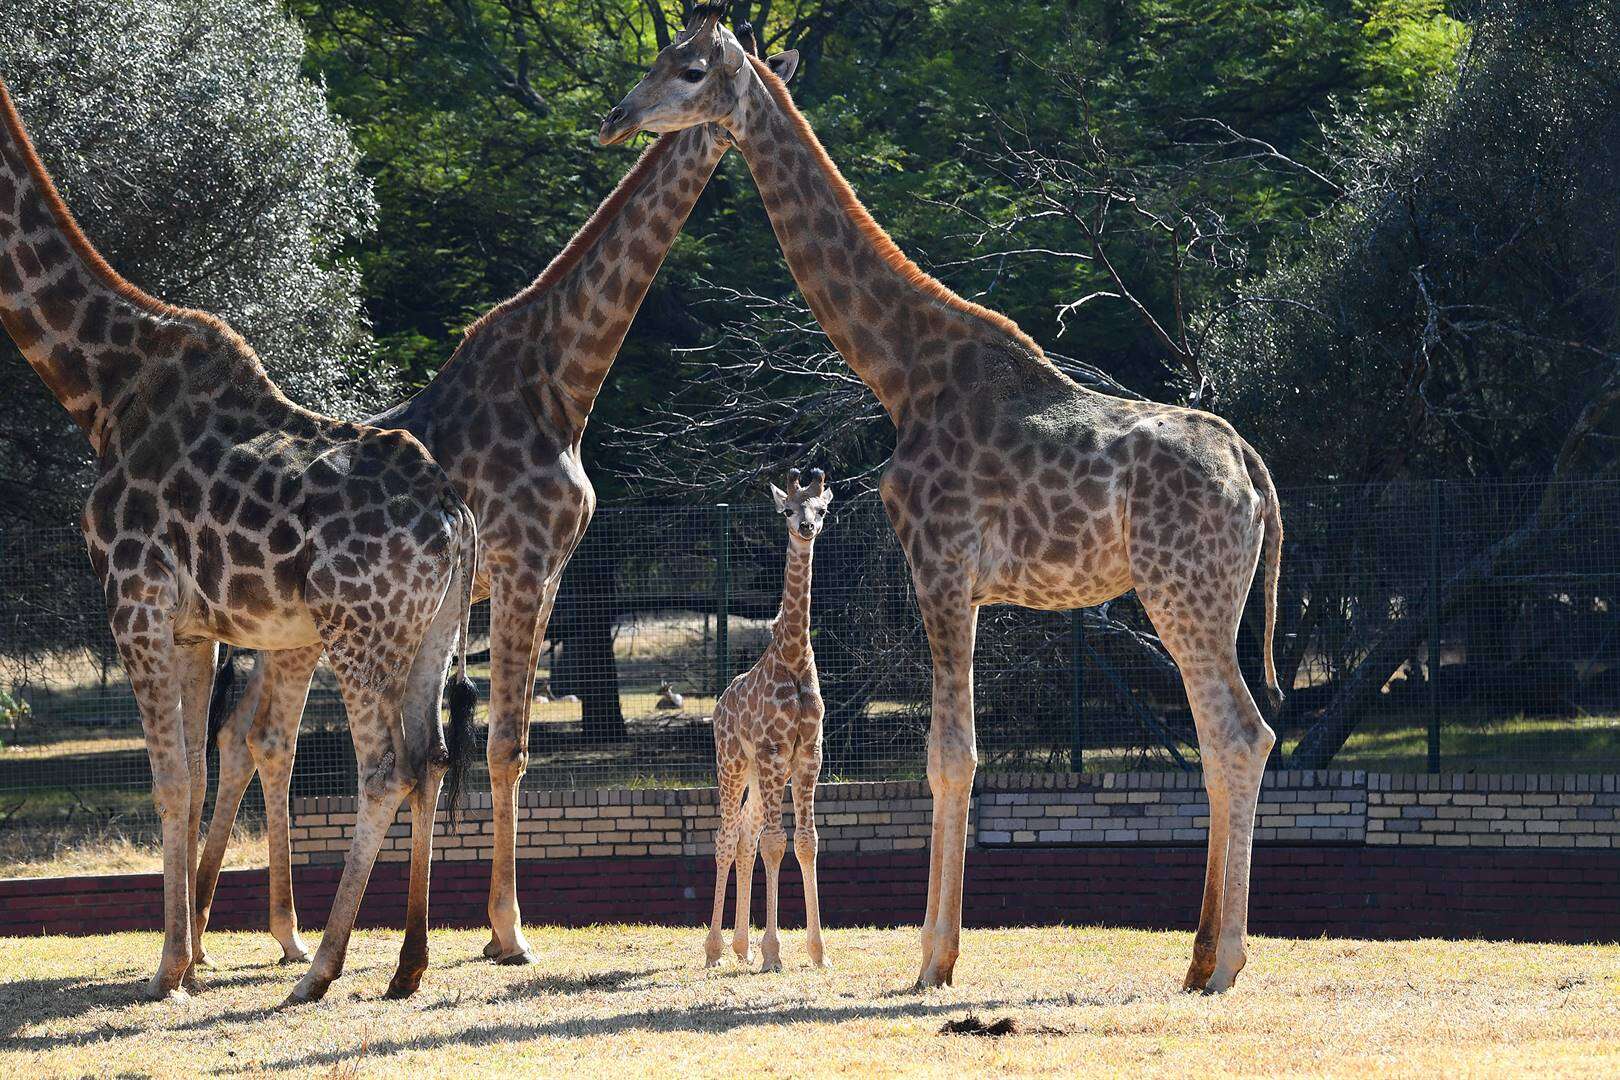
(790, 634)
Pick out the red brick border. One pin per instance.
(1356, 891)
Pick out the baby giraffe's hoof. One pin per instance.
(205, 962)
(768, 966)
(297, 956)
(493, 949)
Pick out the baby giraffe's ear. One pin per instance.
(824, 499)
(781, 498)
(784, 64)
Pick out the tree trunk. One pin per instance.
(1396, 644)
(589, 609)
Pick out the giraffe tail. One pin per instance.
(462, 693)
(1271, 554)
(224, 682)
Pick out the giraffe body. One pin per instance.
(224, 512)
(504, 418)
(1009, 482)
(767, 733)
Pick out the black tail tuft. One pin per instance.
(224, 683)
(459, 740)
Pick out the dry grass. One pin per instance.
(103, 848)
(636, 1000)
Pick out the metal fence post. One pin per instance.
(1077, 648)
(1436, 493)
(722, 599)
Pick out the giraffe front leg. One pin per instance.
(747, 844)
(273, 739)
(773, 778)
(732, 780)
(518, 620)
(196, 675)
(951, 621)
(151, 662)
(805, 843)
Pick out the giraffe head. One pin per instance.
(803, 505)
(698, 78)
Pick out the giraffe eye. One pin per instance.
(693, 75)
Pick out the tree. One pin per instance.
(1461, 301)
(210, 173)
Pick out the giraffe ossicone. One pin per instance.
(1009, 483)
(767, 733)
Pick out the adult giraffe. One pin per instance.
(505, 418)
(1010, 483)
(222, 511)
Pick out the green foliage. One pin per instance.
(1459, 306)
(210, 173)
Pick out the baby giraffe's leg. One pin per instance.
(773, 778)
(733, 777)
(805, 776)
(747, 843)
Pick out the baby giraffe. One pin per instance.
(767, 731)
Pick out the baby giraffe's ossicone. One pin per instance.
(767, 731)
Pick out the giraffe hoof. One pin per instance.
(300, 957)
(493, 949)
(205, 962)
(401, 988)
(771, 965)
(306, 990)
(518, 959)
(156, 991)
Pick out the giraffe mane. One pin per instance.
(588, 234)
(881, 241)
(93, 259)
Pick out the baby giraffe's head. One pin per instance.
(804, 506)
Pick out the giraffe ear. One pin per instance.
(780, 496)
(784, 64)
(824, 499)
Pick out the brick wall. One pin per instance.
(1305, 891)
(1035, 810)
(1348, 853)
(624, 823)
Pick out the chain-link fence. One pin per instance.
(1432, 626)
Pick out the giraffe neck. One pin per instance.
(570, 323)
(897, 328)
(790, 633)
(112, 355)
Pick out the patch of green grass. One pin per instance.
(1525, 744)
(636, 1000)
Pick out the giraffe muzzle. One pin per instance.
(615, 129)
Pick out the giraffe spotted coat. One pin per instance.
(1009, 482)
(505, 418)
(767, 732)
(221, 511)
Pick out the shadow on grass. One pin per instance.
(703, 1018)
(28, 1002)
